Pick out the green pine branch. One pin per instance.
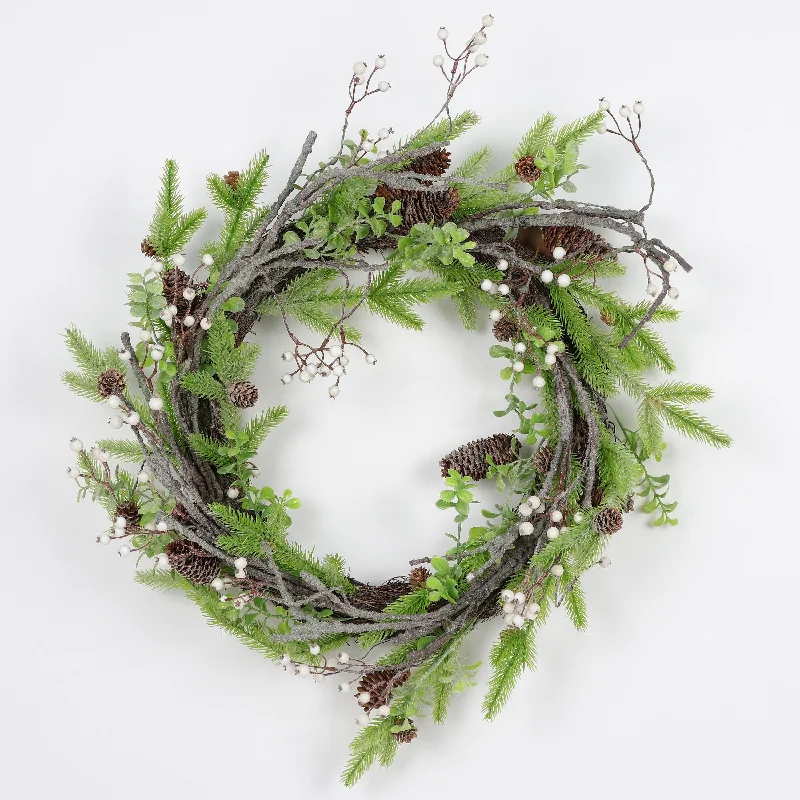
(512, 653)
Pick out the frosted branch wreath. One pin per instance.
(567, 473)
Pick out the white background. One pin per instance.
(684, 685)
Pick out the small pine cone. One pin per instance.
(404, 737)
(129, 512)
(109, 382)
(148, 249)
(543, 459)
(629, 505)
(192, 562)
(379, 685)
(436, 163)
(470, 458)
(418, 577)
(433, 208)
(174, 282)
(243, 394)
(598, 495)
(606, 318)
(608, 520)
(577, 241)
(527, 170)
(504, 329)
(232, 179)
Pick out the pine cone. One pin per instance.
(404, 737)
(379, 685)
(148, 249)
(109, 382)
(243, 394)
(504, 329)
(470, 458)
(232, 179)
(192, 562)
(129, 512)
(433, 208)
(527, 170)
(606, 318)
(433, 164)
(629, 505)
(376, 598)
(543, 459)
(577, 241)
(418, 577)
(608, 520)
(598, 495)
(174, 282)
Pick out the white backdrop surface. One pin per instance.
(685, 683)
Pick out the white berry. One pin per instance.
(343, 658)
(145, 335)
(673, 292)
(335, 351)
(552, 348)
(124, 551)
(519, 597)
(344, 361)
(384, 711)
(531, 610)
(638, 107)
(162, 526)
(143, 477)
(652, 289)
(134, 418)
(518, 621)
(188, 321)
(556, 516)
(124, 355)
(503, 289)
(104, 538)
(438, 61)
(470, 577)
(156, 266)
(178, 260)
(506, 595)
(538, 382)
(518, 366)
(564, 280)
(525, 528)
(624, 111)
(114, 401)
(314, 649)
(156, 403)
(364, 698)
(604, 562)
(189, 293)
(605, 105)
(120, 523)
(338, 370)
(559, 253)
(577, 518)
(509, 607)
(495, 315)
(303, 671)
(556, 570)
(546, 276)
(487, 21)
(380, 62)
(101, 455)
(670, 265)
(362, 719)
(383, 133)
(205, 323)
(481, 60)
(550, 359)
(383, 86)
(552, 533)
(286, 378)
(442, 33)
(502, 265)
(534, 501)
(479, 38)
(525, 510)
(233, 492)
(74, 473)
(370, 359)
(333, 391)
(486, 285)
(519, 347)
(305, 376)
(76, 445)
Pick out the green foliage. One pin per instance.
(145, 300)
(90, 362)
(123, 449)
(512, 653)
(392, 297)
(242, 216)
(415, 602)
(618, 469)
(374, 742)
(445, 130)
(472, 166)
(171, 229)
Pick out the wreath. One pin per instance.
(382, 229)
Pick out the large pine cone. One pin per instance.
(433, 164)
(527, 170)
(109, 382)
(432, 208)
(376, 598)
(243, 394)
(379, 685)
(470, 458)
(608, 520)
(404, 737)
(129, 512)
(192, 562)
